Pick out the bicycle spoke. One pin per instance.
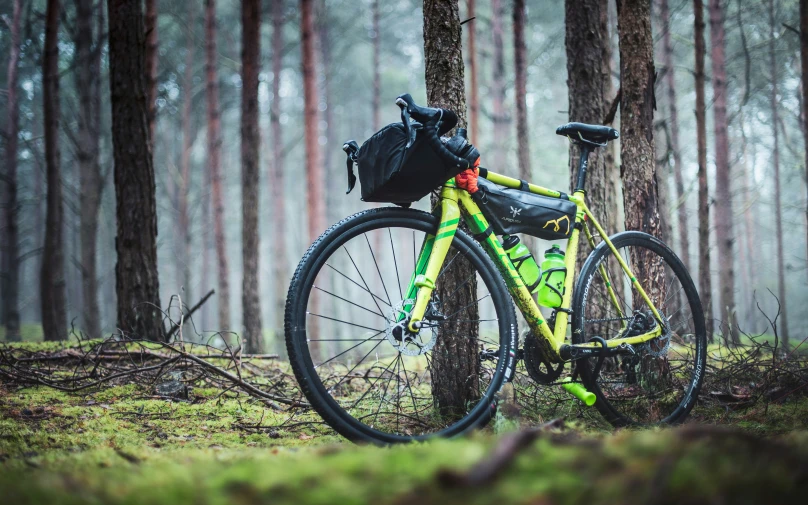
(344, 322)
(377, 270)
(395, 263)
(348, 301)
(369, 339)
(363, 279)
(375, 297)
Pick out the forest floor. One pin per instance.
(122, 444)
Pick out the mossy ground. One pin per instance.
(117, 446)
(122, 445)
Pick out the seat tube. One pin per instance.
(582, 165)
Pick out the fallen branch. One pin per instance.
(188, 314)
(491, 467)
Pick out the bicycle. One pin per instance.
(370, 352)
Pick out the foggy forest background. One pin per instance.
(367, 53)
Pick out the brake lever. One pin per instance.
(405, 118)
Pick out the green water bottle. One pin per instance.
(523, 261)
(554, 272)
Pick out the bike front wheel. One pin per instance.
(368, 379)
(661, 382)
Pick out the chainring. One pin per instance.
(539, 368)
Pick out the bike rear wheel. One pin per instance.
(660, 384)
(369, 380)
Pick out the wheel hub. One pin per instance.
(401, 338)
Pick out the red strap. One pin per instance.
(467, 179)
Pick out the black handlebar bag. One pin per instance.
(394, 170)
(512, 211)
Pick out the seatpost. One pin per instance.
(582, 164)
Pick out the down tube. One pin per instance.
(478, 224)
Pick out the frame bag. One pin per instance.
(393, 170)
(512, 211)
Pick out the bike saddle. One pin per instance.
(596, 134)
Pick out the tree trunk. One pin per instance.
(804, 61)
(471, 52)
(276, 167)
(185, 155)
(499, 153)
(749, 244)
(673, 122)
(638, 169)
(10, 252)
(137, 283)
(638, 164)
(781, 276)
(613, 218)
(520, 71)
(88, 164)
(151, 63)
(377, 80)
(587, 40)
(314, 171)
(52, 280)
(705, 281)
(723, 191)
(214, 163)
(250, 179)
(314, 165)
(455, 367)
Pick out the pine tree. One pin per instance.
(214, 163)
(705, 280)
(137, 283)
(723, 194)
(10, 252)
(454, 358)
(52, 279)
(250, 140)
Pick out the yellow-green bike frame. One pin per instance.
(435, 248)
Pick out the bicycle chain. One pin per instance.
(608, 320)
(647, 347)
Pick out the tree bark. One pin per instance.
(638, 169)
(705, 281)
(471, 52)
(250, 179)
(781, 276)
(455, 368)
(87, 152)
(10, 252)
(520, 71)
(673, 122)
(723, 191)
(151, 63)
(137, 283)
(52, 280)
(214, 163)
(498, 89)
(587, 41)
(276, 169)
